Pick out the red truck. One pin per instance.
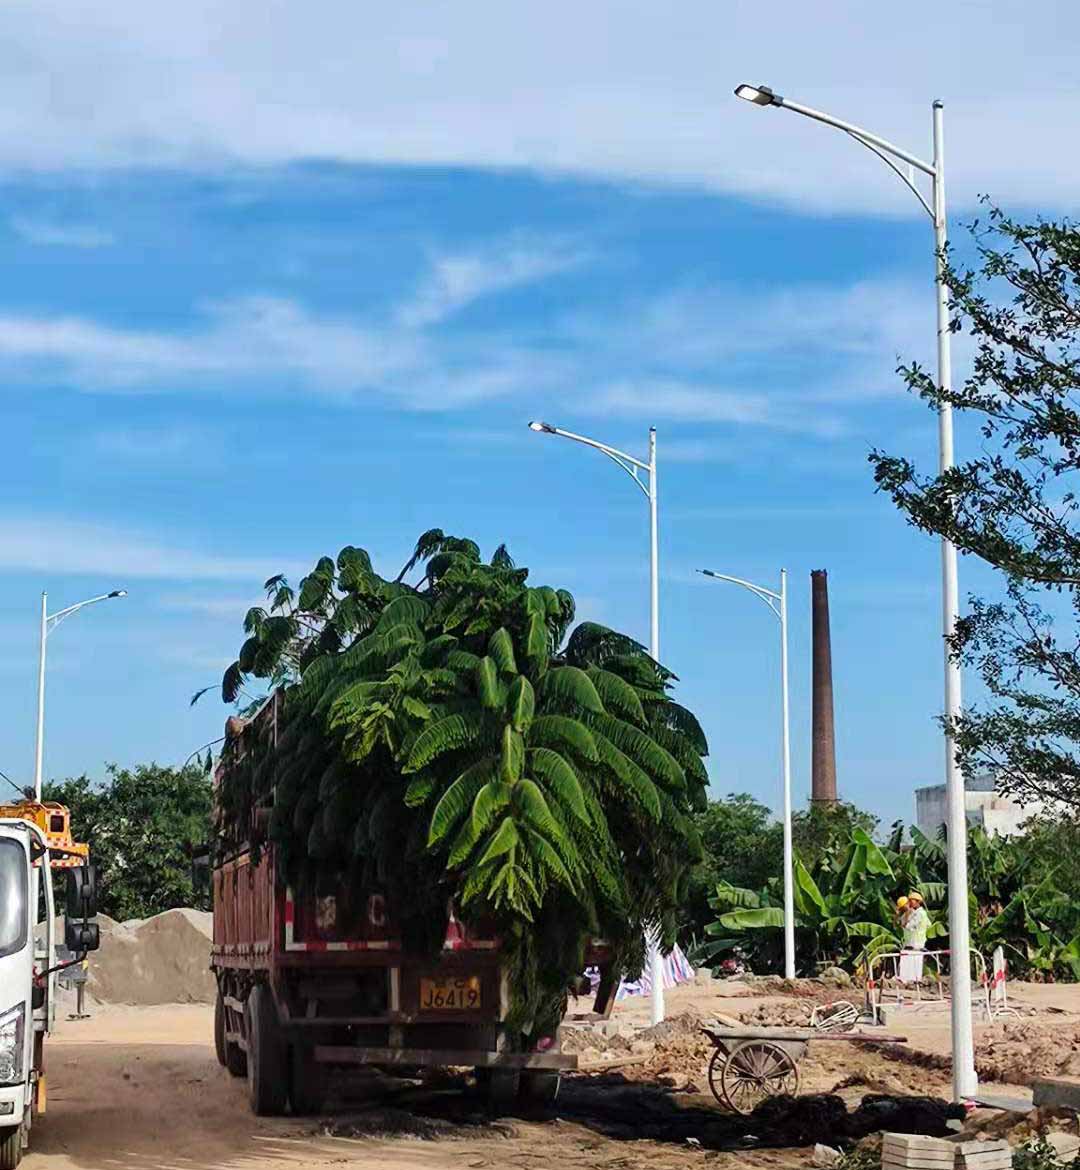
(307, 983)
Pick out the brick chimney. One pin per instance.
(823, 754)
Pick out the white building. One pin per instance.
(998, 815)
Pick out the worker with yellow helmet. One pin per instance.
(915, 922)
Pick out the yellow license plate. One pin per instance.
(450, 995)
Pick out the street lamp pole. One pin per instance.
(905, 166)
(635, 468)
(777, 602)
(49, 622)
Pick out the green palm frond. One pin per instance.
(571, 688)
(447, 735)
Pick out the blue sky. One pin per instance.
(271, 290)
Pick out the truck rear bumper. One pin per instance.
(430, 1057)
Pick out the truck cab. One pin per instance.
(34, 840)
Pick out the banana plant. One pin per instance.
(457, 738)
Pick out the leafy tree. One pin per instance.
(453, 739)
(742, 845)
(142, 826)
(1023, 897)
(1013, 504)
(825, 830)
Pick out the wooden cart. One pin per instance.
(750, 1064)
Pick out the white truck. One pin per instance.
(35, 841)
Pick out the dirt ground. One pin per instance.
(140, 1087)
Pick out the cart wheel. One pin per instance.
(755, 1070)
(716, 1075)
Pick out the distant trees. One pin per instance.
(143, 826)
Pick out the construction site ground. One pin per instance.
(139, 1086)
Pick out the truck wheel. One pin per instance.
(307, 1081)
(11, 1147)
(267, 1070)
(540, 1087)
(236, 1060)
(502, 1088)
(221, 1045)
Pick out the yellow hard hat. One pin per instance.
(901, 903)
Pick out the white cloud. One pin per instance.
(156, 443)
(219, 608)
(639, 92)
(60, 235)
(798, 358)
(45, 543)
(457, 281)
(273, 344)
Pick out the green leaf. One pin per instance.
(503, 840)
(521, 703)
(572, 688)
(876, 861)
(487, 683)
(561, 732)
(806, 891)
(416, 708)
(534, 807)
(561, 779)
(549, 856)
(445, 735)
(513, 755)
(617, 695)
(457, 799)
(640, 747)
(765, 917)
(420, 788)
(501, 649)
(636, 782)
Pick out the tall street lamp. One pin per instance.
(965, 1081)
(777, 602)
(635, 468)
(49, 622)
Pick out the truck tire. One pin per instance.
(236, 1060)
(540, 1087)
(11, 1147)
(307, 1081)
(266, 1056)
(502, 1088)
(221, 1045)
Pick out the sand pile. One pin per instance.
(164, 959)
(1016, 1052)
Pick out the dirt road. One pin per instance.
(140, 1088)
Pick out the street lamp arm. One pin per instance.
(630, 470)
(54, 619)
(875, 142)
(771, 599)
(612, 452)
(905, 178)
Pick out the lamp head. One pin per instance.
(760, 95)
(118, 593)
(542, 428)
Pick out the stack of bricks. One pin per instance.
(908, 1151)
